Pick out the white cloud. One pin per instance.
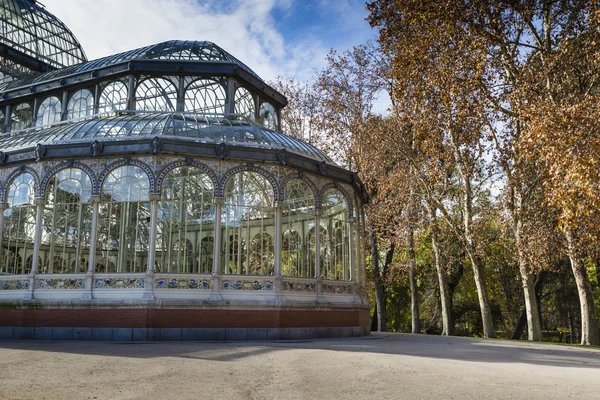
(245, 28)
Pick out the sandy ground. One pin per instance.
(399, 366)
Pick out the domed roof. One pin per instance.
(228, 129)
(26, 26)
(205, 52)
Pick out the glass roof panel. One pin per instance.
(171, 50)
(26, 26)
(197, 127)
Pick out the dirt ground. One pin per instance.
(399, 366)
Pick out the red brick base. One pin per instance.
(181, 318)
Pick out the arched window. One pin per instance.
(124, 220)
(247, 213)
(21, 117)
(312, 248)
(205, 96)
(48, 112)
(18, 229)
(207, 246)
(156, 94)
(262, 255)
(80, 105)
(244, 103)
(113, 97)
(186, 217)
(67, 221)
(268, 116)
(298, 218)
(334, 218)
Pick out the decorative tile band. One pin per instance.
(119, 283)
(290, 286)
(246, 285)
(337, 289)
(174, 283)
(60, 284)
(17, 284)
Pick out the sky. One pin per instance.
(273, 37)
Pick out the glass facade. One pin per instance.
(124, 221)
(247, 226)
(186, 219)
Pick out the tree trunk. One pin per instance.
(523, 318)
(412, 277)
(378, 279)
(482, 295)
(589, 323)
(534, 326)
(447, 323)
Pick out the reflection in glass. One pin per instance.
(113, 97)
(244, 103)
(205, 96)
(336, 262)
(124, 221)
(67, 223)
(48, 112)
(18, 229)
(268, 116)
(298, 219)
(80, 105)
(247, 216)
(21, 117)
(156, 94)
(186, 219)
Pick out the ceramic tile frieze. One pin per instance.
(119, 283)
(336, 289)
(174, 283)
(303, 287)
(231, 284)
(14, 284)
(60, 284)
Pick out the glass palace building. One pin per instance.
(150, 195)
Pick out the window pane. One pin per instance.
(186, 220)
(247, 225)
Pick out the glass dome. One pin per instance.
(26, 26)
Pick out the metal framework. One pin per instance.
(160, 174)
(28, 28)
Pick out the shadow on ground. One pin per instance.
(427, 346)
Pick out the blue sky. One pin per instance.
(274, 37)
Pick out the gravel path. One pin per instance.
(399, 366)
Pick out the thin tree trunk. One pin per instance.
(378, 279)
(482, 295)
(589, 323)
(534, 326)
(412, 277)
(447, 323)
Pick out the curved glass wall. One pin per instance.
(244, 103)
(21, 117)
(247, 225)
(67, 223)
(48, 112)
(18, 228)
(124, 221)
(268, 116)
(80, 105)
(298, 219)
(156, 94)
(335, 263)
(113, 97)
(205, 96)
(186, 221)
